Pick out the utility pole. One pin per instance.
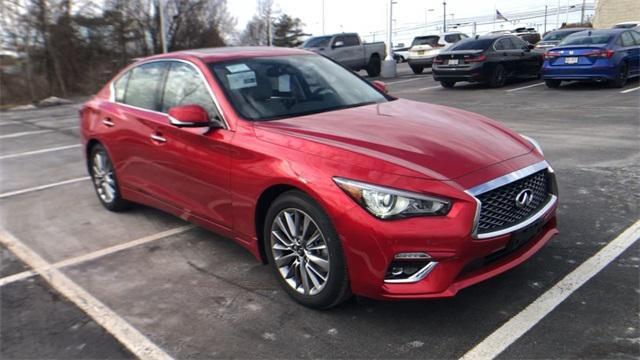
(474, 28)
(545, 19)
(582, 12)
(388, 69)
(558, 16)
(323, 33)
(444, 16)
(163, 35)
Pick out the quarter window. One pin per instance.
(120, 87)
(184, 86)
(627, 39)
(636, 37)
(143, 87)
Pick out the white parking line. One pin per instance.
(525, 87)
(430, 88)
(629, 90)
(42, 187)
(35, 132)
(403, 81)
(97, 254)
(518, 325)
(124, 332)
(40, 151)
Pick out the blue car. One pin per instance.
(611, 55)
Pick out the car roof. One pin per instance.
(229, 53)
(575, 29)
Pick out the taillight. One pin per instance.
(607, 54)
(479, 58)
(438, 60)
(550, 55)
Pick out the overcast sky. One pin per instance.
(366, 16)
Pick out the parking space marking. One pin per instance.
(124, 332)
(43, 187)
(97, 254)
(35, 132)
(525, 87)
(41, 151)
(518, 325)
(404, 81)
(629, 90)
(430, 88)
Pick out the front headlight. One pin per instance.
(386, 203)
(534, 143)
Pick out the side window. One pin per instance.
(143, 87)
(627, 39)
(452, 38)
(184, 86)
(636, 37)
(120, 87)
(501, 44)
(518, 43)
(351, 40)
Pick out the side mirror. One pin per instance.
(189, 116)
(338, 44)
(380, 86)
(530, 46)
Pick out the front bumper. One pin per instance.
(459, 258)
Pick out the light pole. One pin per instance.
(389, 64)
(323, 33)
(444, 16)
(582, 12)
(545, 20)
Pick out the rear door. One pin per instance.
(531, 60)
(509, 56)
(130, 120)
(345, 49)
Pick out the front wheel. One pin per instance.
(105, 180)
(621, 78)
(552, 83)
(305, 252)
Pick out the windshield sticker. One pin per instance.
(284, 83)
(242, 80)
(237, 68)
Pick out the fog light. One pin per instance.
(412, 256)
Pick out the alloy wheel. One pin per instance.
(300, 251)
(103, 178)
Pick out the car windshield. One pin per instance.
(315, 42)
(557, 35)
(425, 40)
(267, 88)
(586, 39)
(472, 44)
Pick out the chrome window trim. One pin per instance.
(201, 75)
(417, 276)
(501, 181)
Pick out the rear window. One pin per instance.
(320, 41)
(558, 35)
(426, 40)
(472, 44)
(585, 39)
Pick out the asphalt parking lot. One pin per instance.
(194, 294)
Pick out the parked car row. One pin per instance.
(607, 55)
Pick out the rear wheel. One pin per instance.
(105, 180)
(552, 83)
(498, 77)
(305, 252)
(448, 84)
(374, 66)
(417, 69)
(621, 78)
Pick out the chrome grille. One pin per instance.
(499, 209)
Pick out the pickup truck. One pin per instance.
(348, 49)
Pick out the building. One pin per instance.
(611, 12)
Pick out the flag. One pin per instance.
(500, 16)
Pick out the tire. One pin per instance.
(293, 249)
(105, 181)
(498, 77)
(448, 84)
(417, 69)
(621, 78)
(552, 83)
(374, 66)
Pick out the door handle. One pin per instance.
(158, 138)
(108, 123)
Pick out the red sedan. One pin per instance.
(340, 187)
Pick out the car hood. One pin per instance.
(419, 139)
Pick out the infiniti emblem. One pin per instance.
(524, 198)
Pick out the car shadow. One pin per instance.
(594, 86)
